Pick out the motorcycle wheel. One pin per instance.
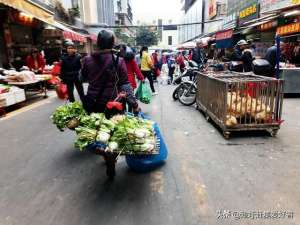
(176, 91)
(188, 95)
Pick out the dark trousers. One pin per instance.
(79, 87)
(148, 75)
(171, 73)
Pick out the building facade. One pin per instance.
(192, 12)
(195, 11)
(167, 34)
(124, 16)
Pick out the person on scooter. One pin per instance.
(107, 76)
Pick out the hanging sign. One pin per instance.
(224, 35)
(288, 29)
(268, 25)
(248, 13)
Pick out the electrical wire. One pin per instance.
(153, 26)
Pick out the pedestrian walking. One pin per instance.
(107, 76)
(156, 70)
(133, 70)
(138, 60)
(180, 61)
(171, 66)
(70, 71)
(147, 67)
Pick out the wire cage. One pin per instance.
(237, 102)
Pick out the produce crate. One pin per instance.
(239, 102)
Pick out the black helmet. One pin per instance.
(106, 39)
(68, 42)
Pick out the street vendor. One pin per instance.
(242, 53)
(272, 52)
(199, 55)
(107, 76)
(35, 61)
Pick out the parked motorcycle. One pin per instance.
(188, 90)
(187, 75)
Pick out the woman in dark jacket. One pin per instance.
(106, 74)
(70, 68)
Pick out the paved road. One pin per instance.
(44, 181)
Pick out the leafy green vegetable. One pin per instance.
(133, 135)
(85, 136)
(67, 112)
(92, 128)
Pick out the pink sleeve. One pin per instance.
(137, 70)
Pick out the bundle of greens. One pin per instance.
(121, 134)
(93, 128)
(68, 115)
(132, 135)
(85, 136)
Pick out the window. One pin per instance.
(169, 40)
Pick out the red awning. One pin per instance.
(222, 35)
(93, 37)
(74, 36)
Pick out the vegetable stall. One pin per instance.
(119, 135)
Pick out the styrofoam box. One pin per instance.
(8, 98)
(19, 95)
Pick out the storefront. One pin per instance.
(21, 28)
(54, 38)
(25, 25)
(290, 69)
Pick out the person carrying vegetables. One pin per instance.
(107, 76)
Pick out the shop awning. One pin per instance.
(187, 45)
(30, 9)
(74, 36)
(69, 33)
(260, 21)
(93, 37)
(224, 38)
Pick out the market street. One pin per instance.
(43, 180)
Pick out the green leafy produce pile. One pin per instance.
(121, 134)
(92, 128)
(133, 135)
(65, 113)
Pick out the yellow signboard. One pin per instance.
(248, 11)
(295, 1)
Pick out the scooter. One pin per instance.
(187, 75)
